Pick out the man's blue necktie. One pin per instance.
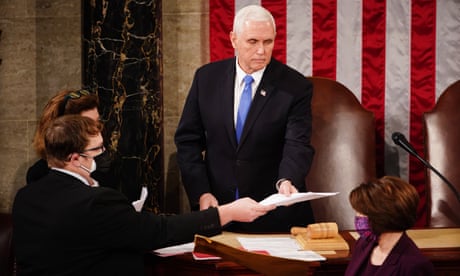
(245, 103)
(243, 108)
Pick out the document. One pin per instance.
(283, 247)
(138, 204)
(283, 200)
(175, 249)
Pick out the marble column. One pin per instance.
(122, 64)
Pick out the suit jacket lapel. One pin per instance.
(393, 260)
(261, 97)
(228, 83)
(361, 254)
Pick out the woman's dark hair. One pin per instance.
(390, 203)
(65, 102)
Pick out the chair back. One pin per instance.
(6, 248)
(442, 151)
(343, 136)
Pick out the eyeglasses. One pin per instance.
(101, 150)
(72, 95)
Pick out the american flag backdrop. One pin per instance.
(396, 56)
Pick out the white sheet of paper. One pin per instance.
(283, 200)
(283, 247)
(138, 204)
(175, 250)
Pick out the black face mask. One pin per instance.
(103, 162)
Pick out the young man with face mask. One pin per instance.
(63, 225)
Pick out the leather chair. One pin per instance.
(442, 151)
(344, 139)
(6, 248)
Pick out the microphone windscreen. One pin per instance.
(397, 137)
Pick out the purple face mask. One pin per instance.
(362, 226)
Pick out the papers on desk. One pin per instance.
(203, 256)
(138, 204)
(182, 249)
(283, 200)
(283, 247)
(188, 248)
(175, 250)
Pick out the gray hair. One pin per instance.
(252, 13)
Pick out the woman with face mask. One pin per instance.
(386, 208)
(70, 102)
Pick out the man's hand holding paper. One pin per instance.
(285, 187)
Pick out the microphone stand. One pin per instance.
(428, 165)
(397, 137)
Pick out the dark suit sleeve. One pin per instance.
(115, 224)
(191, 143)
(298, 152)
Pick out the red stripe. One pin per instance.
(373, 69)
(324, 38)
(278, 10)
(221, 15)
(423, 95)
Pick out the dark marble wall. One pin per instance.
(123, 65)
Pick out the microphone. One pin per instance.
(400, 140)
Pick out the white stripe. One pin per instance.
(447, 44)
(397, 83)
(299, 45)
(349, 45)
(243, 3)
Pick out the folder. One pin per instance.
(260, 263)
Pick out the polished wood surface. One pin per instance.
(344, 140)
(445, 260)
(442, 151)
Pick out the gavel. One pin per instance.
(322, 230)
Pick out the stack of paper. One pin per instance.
(175, 250)
(283, 200)
(283, 247)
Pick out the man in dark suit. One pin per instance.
(63, 225)
(220, 160)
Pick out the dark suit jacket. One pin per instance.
(275, 142)
(404, 259)
(64, 227)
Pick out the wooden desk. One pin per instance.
(445, 260)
